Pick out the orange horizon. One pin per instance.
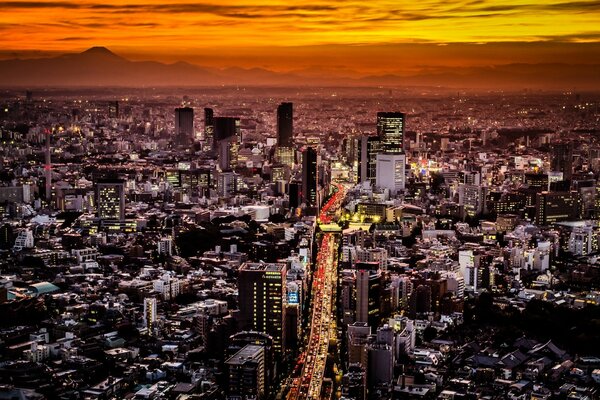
(359, 37)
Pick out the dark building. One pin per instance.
(7, 236)
(554, 207)
(309, 177)
(295, 194)
(261, 289)
(113, 109)
(420, 300)
(209, 124)
(226, 127)
(246, 374)
(184, 125)
(368, 293)
(110, 199)
(368, 148)
(562, 159)
(285, 125)
(390, 129)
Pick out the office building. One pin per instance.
(262, 289)
(390, 129)
(472, 199)
(224, 128)
(391, 174)
(309, 177)
(246, 374)
(285, 125)
(562, 159)
(368, 293)
(368, 148)
(209, 125)
(184, 125)
(554, 207)
(110, 199)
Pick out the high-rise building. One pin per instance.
(368, 148)
(390, 129)
(110, 199)
(294, 194)
(209, 125)
(391, 172)
(472, 199)
(226, 127)
(262, 288)
(285, 125)
(562, 159)
(149, 312)
(246, 374)
(554, 207)
(309, 177)
(368, 293)
(227, 151)
(184, 125)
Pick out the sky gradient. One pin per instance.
(367, 36)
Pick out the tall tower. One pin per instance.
(285, 124)
(209, 125)
(262, 298)
(368, 148)
(309, 177)
(562, 159)
(48, 170)
(390, 129)
(184, 125)
(149, 312)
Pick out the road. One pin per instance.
(308, 385)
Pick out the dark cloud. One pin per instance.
(232, 11)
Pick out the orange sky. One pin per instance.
(369, 36)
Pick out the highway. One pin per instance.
(308, 385)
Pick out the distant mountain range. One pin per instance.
(98, 66)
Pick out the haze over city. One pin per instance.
(482, 44)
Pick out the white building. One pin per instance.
(167, 286)
(165, 246)
(24, 240)
(391, 172)
(37, 352)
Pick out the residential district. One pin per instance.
(254, 244)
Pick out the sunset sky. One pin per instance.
(368, 36)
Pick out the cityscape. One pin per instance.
(179, 230)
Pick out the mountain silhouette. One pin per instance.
(99, 66)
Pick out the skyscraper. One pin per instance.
(562, 159)
(225, 127)
(184, 125)
(391, 172)
(309, 177)
(110, 199)
(390, 129)
(285, 125)
(226, 140)
(209, 125)
(368, 293)
(262, 290)
(368, 148)
(246, 374)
